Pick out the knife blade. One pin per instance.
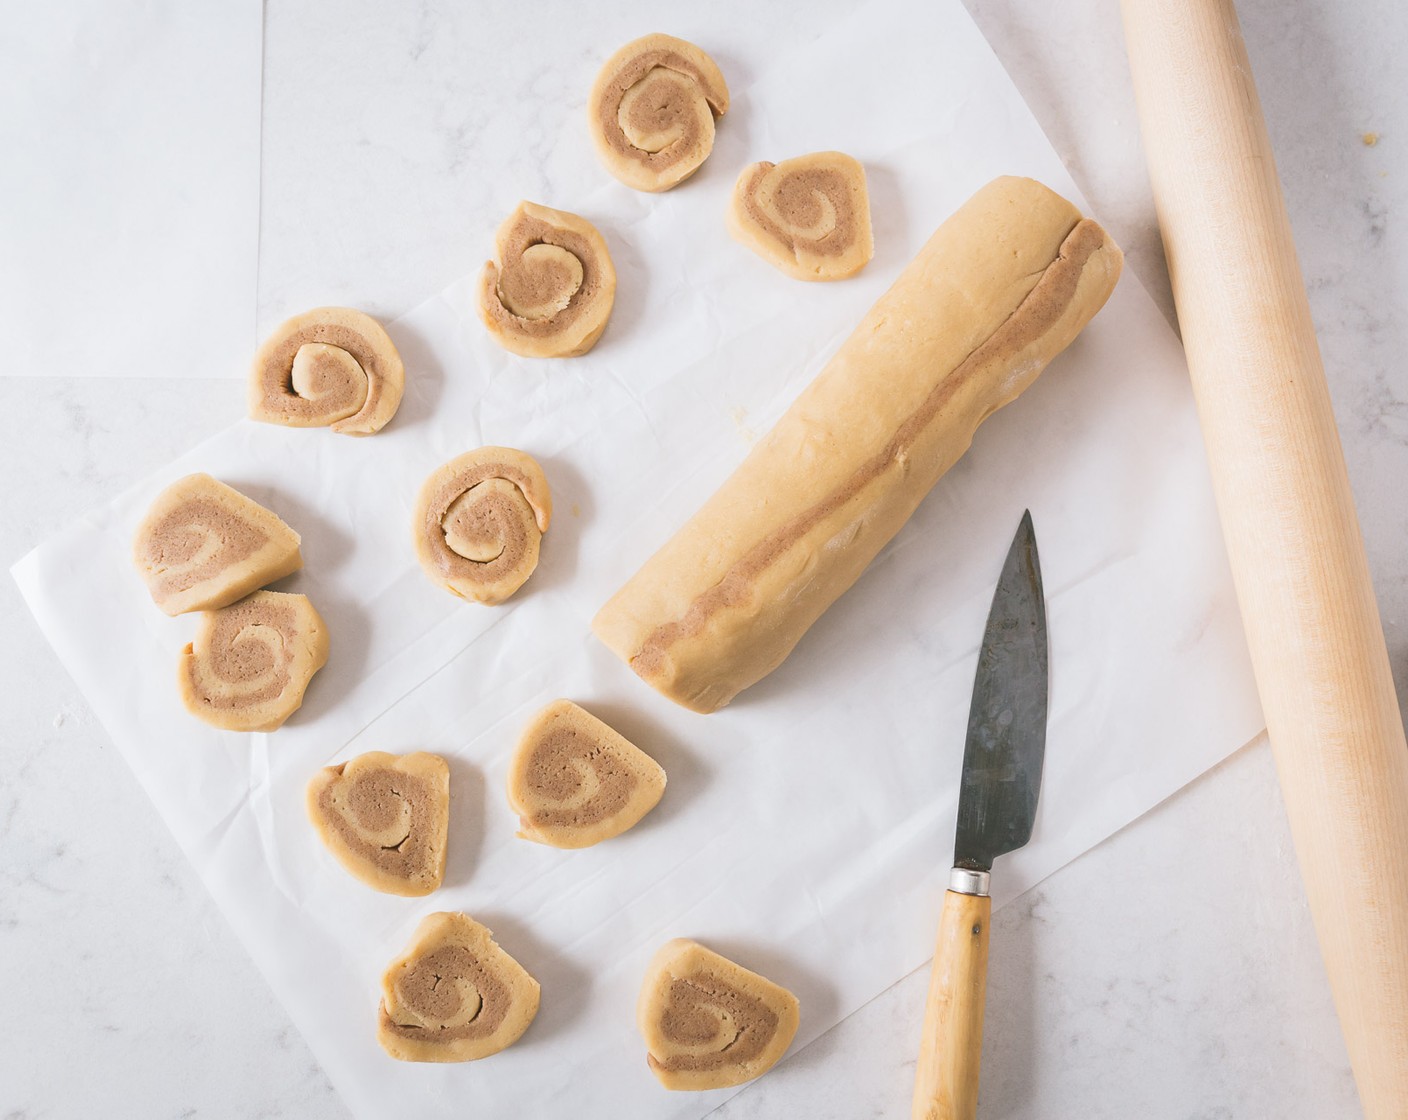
(997, 800)
(1007, 718)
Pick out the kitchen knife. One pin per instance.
(996, 806)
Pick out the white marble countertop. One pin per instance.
(1171, 972)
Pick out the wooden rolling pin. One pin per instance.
(1287, 514)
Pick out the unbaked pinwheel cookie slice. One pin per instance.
(386, 818)
(709, 1023)
(808, 216)
(454, 995)
(479, 520)
(652, 111)
(203, 545)
(332, 367)
(549, 290)
(251, 662)
(574, 781)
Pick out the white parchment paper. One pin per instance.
(129, 230)
(807, 829)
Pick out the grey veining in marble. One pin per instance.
(1132, 983)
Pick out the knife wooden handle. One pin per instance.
(1288, 517)
(946, 1081)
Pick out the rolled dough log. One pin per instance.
(1001, 288)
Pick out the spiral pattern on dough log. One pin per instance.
(479, 520)
(652, 111)
(550, 288)
(808, 216)
(386, 819)
(454, 995)
(251, 662)
(332, 367)
(708, 1022)
(203, 545)
(574, 781)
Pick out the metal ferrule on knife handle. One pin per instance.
(965, 880)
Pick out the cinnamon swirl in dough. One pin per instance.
(479, 520)
(808, 216)
(251, 662)
(386, 818)
(332, 367)
(1001, 289)
(454, 995)
(652, 111)
(203, 545)
(548, 291)
(574, 781)
(709, 1023)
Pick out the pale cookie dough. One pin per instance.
(808, 216)
(251, 662)
(332, 367)
(454, 995)
(1001, 289)
(709, 1023)
(652, 111)
(386, 819)
(548, 291)
(574, 781)
(479, 520)
(203, 545)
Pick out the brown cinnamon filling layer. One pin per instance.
(693, 1017)
(242, 656)
(376, 801)
(541, 282)
(180, 537)
(1033, 317)
(329, 376)
(656, 110)
(488, 517)
(796, 202)
(428, 989)
(553, 776)
(528, 285)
